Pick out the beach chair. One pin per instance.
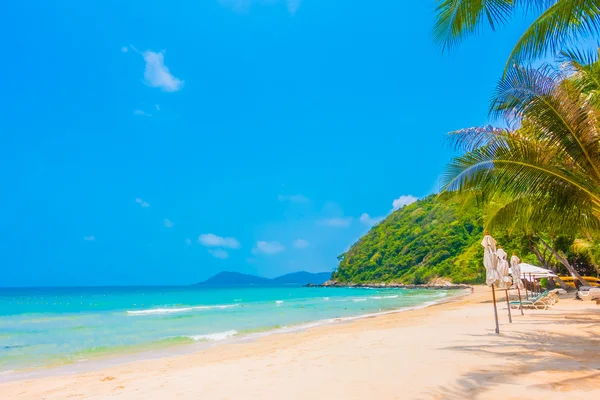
(591, 294)
(542, 302)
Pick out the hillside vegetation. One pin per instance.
(436, 237)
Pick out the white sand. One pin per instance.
(447, 351)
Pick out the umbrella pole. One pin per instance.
(531, 286)
(520, 301)
(495, 309)
(508, 305)
(526, 294)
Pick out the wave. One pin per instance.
(357, 300)
(214, 336)
(279, 302)
(171, 310)
(384, 297)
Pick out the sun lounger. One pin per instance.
(591, 294)
(541, 302)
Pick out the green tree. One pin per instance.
(544, 174)
(559, 24)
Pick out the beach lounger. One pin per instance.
(541, 302)
(591, 294)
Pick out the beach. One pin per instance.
(445, 351)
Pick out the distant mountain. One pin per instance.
(236, 278)
(303, 278)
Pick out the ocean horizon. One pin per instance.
(67, 326)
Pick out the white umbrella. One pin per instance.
(490, 262)
(515, 271)
(528, 270)
(504, 281)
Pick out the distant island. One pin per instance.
(296, 278)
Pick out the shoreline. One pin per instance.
(116, 358)
(390, 286)
(447, 350)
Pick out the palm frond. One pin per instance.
(475, 137)
(456, 19)
(561, 118)
(563, 23)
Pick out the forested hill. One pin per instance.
(433, 237)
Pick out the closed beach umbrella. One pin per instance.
(490, 261)
(516, 271)
(504, 281)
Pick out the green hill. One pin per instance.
(431, 238)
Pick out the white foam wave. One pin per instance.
(279, 302)
(214, 336)
(325, 298)
(357, 300)
(384, 297)
(171, 310)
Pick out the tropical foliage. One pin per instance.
(559, 23)
(434, 237)
(440, 237)
(543, 175)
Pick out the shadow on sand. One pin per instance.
(535, 351)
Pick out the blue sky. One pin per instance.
(161, 142)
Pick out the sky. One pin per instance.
(160, 142)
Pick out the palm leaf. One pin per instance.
(563, 23)
(458, 18)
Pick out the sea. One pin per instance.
(84, 328)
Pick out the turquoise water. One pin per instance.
(42, 327)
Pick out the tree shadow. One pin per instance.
(537, 351)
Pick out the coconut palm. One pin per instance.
(543, 173)
(560, 23)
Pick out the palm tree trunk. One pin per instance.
(563, 260)
(536, 250)
(542, 259)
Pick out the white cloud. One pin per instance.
(403, 201)
(294, 198)
(219, 253)
(301, 243)
(293, 5)
(142, 113)
(340, 222)
(142, 202)
(368, 220)
(168, 223)
(156, 73)
(188, 241)
(244, 5)
(268, 247)
(89, 238)
(212, 240)
(124, 49)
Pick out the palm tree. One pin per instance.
(560, 23)
(542, 173)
